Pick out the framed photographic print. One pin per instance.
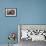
(33, 32)
(10, 11)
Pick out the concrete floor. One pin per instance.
(7, 45)
(32, 43)
(28, 43)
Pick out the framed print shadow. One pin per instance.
(10, 11)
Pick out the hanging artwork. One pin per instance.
(32, 32)
(10, 11)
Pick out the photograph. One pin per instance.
(10, 11)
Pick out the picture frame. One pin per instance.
(10, 11)
(39, 28)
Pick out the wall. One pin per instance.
(28, 12)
